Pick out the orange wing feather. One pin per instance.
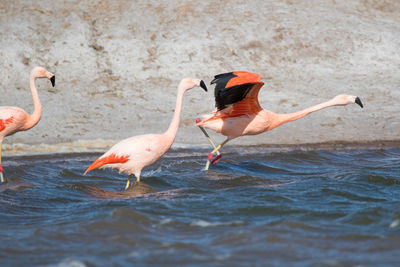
(3, 123)
(243, 77)
(9, 120)
(110, 159)
(249, 105)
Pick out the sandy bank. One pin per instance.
(118, 64)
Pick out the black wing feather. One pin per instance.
(231, 95)
(225, 96)
(223, 78)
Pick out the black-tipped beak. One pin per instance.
(358, 101)
(53, 80)
(203, 85)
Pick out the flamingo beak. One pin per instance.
(203, 85)
(358, 101)
(53, 80)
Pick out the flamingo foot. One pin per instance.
(217, 159)
(128, 184)
(2, 180)
(209, 158)
(207, 166)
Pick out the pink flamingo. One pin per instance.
(14, 119)
(133, 154)
(238, 112)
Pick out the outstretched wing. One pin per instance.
(239, 91)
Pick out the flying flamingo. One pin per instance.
(135, 153)
(14, 119)
(238, 112)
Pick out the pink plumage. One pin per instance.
(14, 119)
(133, 154)
(239, 113)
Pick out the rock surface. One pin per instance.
(118, 64)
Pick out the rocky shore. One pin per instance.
(118, 64)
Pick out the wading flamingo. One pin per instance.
(238, 112)
(14, 119)
(133, 154)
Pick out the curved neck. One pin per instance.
(174, 125)
(37, 112)
(280, 119)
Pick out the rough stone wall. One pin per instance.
(118, 64)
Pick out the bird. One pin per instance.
(133, 154)
(238, 112)
(15, 119)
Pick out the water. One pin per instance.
(257, 207)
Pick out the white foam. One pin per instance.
(202, 223)
(395, 223)
(68, 262)
(166, 221)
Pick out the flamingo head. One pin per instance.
(40, 72)
(342, 100)
(189, 83)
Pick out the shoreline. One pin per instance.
(118, 65)
(83, 147)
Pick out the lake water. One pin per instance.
(257, 207)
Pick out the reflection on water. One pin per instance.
(136, 190)
(255, 207)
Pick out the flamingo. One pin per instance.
(135, 153)
(14, 119)
(239, 113)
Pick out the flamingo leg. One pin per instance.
(209, 138)
(218, 157)
(128, 183)
(1, 168)
(214, 151)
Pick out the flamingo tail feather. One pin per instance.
(110, 159)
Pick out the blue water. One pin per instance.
(257, 207)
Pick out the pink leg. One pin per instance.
(1, 167)
(1, 174)
(218, 157)
(216, 160)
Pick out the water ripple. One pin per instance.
(302, 207)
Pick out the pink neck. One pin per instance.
(37, 112)
(174, 125)
(280, 119)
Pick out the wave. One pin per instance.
(202, 223)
